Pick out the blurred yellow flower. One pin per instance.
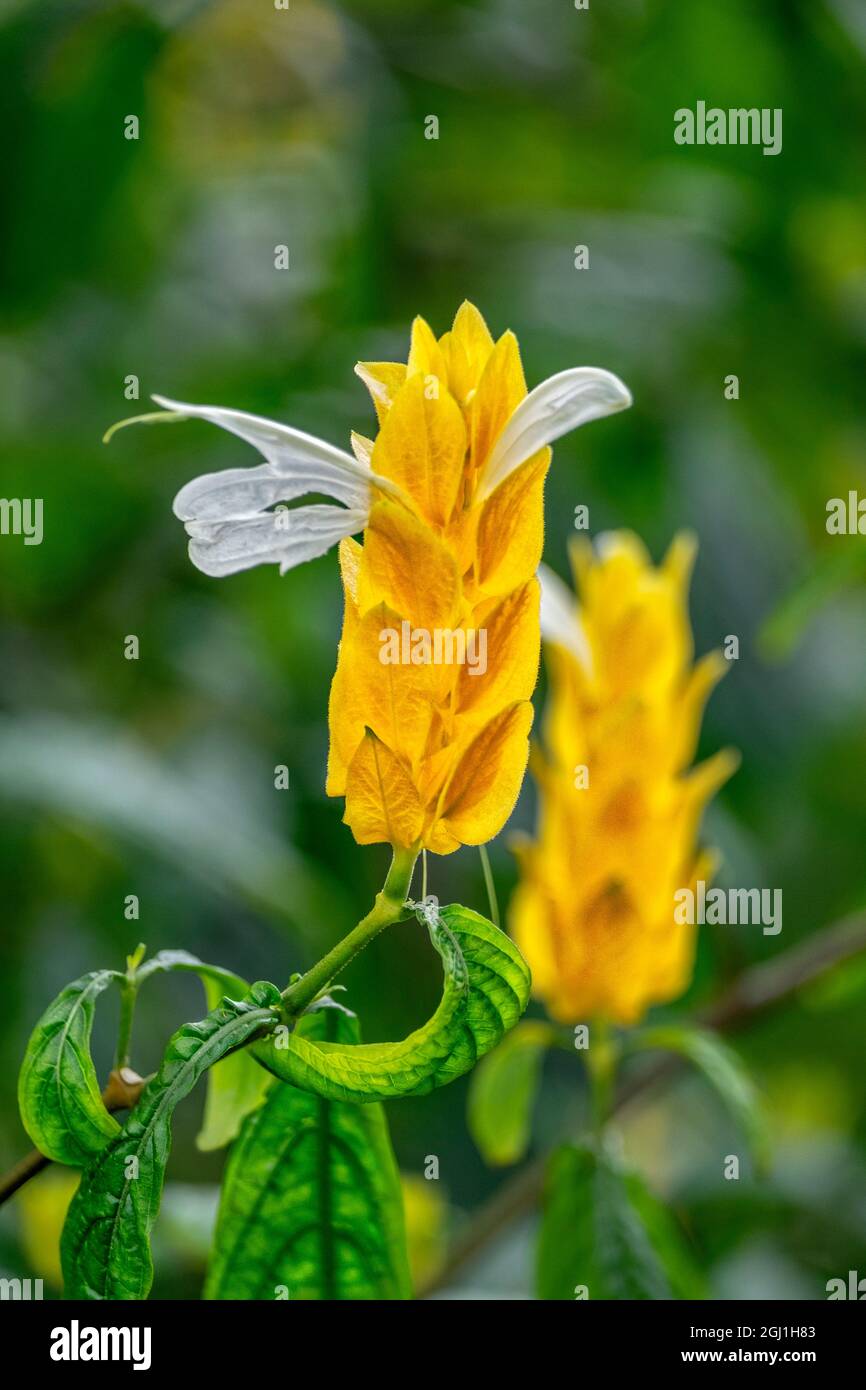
(43, 1205)
(619, 807)
(426, 1212)
(429, 710)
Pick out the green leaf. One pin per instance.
(502, 1092)
(58, 1093)
(667, 1240)
(311, 1201)
(235, 1088)
(486, 989)
(595, 1236)
(236, 1084)
(105, 1248)
(725, 1072)
(170, 961)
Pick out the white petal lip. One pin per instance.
(305, 463)
(558, 405)
(227, 516)
(286, 538)
(234, 494)
(560, 618)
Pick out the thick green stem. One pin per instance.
(601, 1060)
(388, 908)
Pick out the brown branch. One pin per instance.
(755, 991)
(25, 1169)
(121, 1093)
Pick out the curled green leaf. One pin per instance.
(311, 1206)
(58, 1092)
(486, 989)
(105, 1248)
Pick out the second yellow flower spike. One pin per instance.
(619, 807)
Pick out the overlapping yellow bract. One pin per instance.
(594, 909)
(430, 754)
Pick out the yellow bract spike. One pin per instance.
(429, 712)
(619, 814)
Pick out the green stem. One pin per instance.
(128, 996)
(388, 908)
(489, 885)
(601, 1059)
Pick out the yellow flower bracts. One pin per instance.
(429, 709)
(426, 752)
(619, 809)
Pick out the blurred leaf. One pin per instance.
(311, 1200)
(602, 1232)
(502, 1092)
(105, 1250)
(58, 1092)
(485, 991)
(831, 574)
(837, 987)
(725, 1072)
(96, 774)
(186, 1224)
(667, 1239)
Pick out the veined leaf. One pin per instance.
(725, 1072)
(502, 1092)
(311, 1206)
(236, 1084)
(235, 1088)
(58, 1093)
(486, 989)
(170, 961)
(603, 1236)
(105, 1250)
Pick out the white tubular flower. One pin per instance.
(228, 515)
(560, 618)
(237, 518)
(560, 404)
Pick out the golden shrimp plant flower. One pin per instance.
(619, 809)
(428, 748)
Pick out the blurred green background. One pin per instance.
(155, 257)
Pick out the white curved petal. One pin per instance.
(560, 619)
(558, 405)
(284, 538)
(236, 493)
(305, 463)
